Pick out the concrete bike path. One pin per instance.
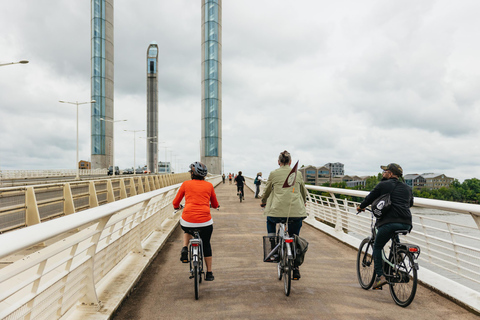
(247, 288)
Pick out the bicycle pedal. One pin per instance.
(191, 277)
(379, 288)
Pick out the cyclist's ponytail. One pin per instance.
(285, 158)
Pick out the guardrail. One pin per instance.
(22, 174)
(29, 205)
(449, 250)
(93, 258)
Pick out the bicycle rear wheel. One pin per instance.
(196, 280)
(365, 269)
(403, 284)
(287, 276)
(287, 270)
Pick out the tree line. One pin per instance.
(468, 191)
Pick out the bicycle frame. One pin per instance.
(196, 252)
(285, 240)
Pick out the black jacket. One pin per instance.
(401, 198)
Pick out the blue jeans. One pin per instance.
(384, 233)
(294, 225)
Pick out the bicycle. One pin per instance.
(195, 255)
(400, 268)
(195, 258)
(240, 193)
(283, 253)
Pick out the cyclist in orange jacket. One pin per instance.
(198, 195)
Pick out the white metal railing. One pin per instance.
(21, 174)
(81, 252)
(449, 249)
(28, 205)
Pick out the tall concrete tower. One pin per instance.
(102, 83)
(152, 107)
(211, 144)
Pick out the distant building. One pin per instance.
(82, 164)
(336, 168)
(164, 167)
(319, 175)
(415, 181)
(437, 181)
(428, 180)
(355, 181)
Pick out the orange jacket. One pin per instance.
(198, 195)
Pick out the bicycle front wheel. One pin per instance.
(403, 285)
(365, 266)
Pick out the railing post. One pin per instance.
(92, 199)
(338, 223)
(157, 183)
(476, 219)
(123, 190)
(133, 189)
(32, 215)
(68, 204)
(140, 186)
(110, 193)
(147, 185)
(90, 296)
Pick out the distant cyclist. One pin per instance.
(240, 182)
(281, 203)
(398, 217)
(198, 195)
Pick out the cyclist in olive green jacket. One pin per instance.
(281, 203)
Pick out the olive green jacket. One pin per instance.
(281, 202)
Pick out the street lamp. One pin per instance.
(155, 160)
(134, 133)
(77, 103)
(165, 164)
(8, 63)
(113, 145)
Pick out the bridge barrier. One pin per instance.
(91, 261)
(449, 250)
(25, 174)
(28, 205)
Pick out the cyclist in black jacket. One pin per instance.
(398, 217)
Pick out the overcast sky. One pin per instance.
(363, 83)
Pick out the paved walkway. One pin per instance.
(247, 288)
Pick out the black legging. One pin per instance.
(240, 189)
(205, 235)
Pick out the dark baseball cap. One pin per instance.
(394, 168)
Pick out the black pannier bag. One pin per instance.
(301, 247)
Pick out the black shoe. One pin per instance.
(209, 276)
(296, 274)
(379, 282)
(184, 255)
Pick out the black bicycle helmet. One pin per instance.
(199, 169)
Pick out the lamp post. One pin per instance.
(113, 146)
(134, 148)
(8, 63)
(156, 162)
(77, 104)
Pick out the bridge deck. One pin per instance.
(247, 288)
